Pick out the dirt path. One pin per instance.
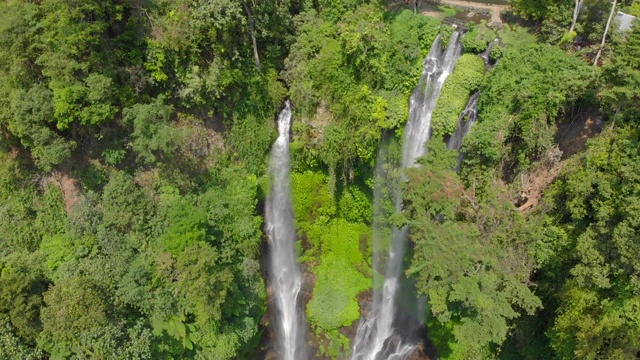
(494, 9)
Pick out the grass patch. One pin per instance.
(312, 200)
(447, 11)
(516, 36)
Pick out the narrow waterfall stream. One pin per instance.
(469, 115)
(466, 120)
(378, 336)
(284, 275)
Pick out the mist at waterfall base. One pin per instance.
(389, 331)
(285, 276)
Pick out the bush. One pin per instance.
(312, 199)
(354, 205)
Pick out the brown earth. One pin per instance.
(70, 187)
(571, 138)
(430, 7)
(538, 179)
(494, 9)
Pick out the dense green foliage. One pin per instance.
(520, 102)
(621, 78)
(359, 71)
(597, 206)
(133, 144)
(146, 252)
(335, 255)
(470, 258)
(478, 38)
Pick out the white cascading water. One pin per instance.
(284, 273)
(375, 332)
(466, 120)
(486, 55)
(469, 115)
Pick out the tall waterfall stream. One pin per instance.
(284, 275)
(376, 337)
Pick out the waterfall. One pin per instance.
(486, 55)
(284, 273)
(437, 67)
(469, 115)
(377, 336)
(466, 120)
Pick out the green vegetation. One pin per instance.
(359, 70)
(335, 255)
(482, 282)
(466, 77)
(134, 138)
(520, 103)
(478, 38)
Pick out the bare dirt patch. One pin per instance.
(572, 139)
(572, 136)
(535, 181)
(70, 187)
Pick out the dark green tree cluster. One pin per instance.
(470, 258)
(128, 223)
(520, 103)
(134, 272)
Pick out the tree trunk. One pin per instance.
(576, 12)
(252, 30)
(613, 124)
(606, 31)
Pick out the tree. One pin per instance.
(606, 32)
(252, 31)
(22, 283)
(31, 121)
(597, 204)
(74, 309)
(153, 135)
(576, 12)
(469, 258)
(621, 77)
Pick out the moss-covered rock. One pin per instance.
(466, 77)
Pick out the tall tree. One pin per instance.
(621, 77)
(576, 12)
(252, 31)
(606, 32)
(469, 258)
